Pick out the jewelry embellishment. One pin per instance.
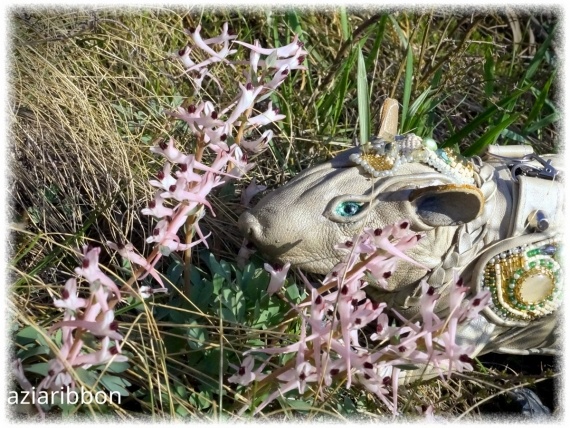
(381, 158)
(525, 282)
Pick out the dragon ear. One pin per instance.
(447, 205)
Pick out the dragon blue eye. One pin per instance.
(348, 208)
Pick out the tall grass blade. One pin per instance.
(551, 118)
(373, 54)
(483, 117)
(540, 101)
(407, 85)
(539, 56)
(344, 23)
(363, 102)
(489, 137)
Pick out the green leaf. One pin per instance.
(115, 384)
(25, 353)
(88, 377)
(401, 35)
(197, 337)
(341, 90)
(292, 293)
(512, 135)
(39, 368)
(234, 302)
(299, 405)
(221, 268)
(118, 367)
(202, 294)
(363, 102)
(200, 400)
(271, 59)
(174, 271)
(27, 335)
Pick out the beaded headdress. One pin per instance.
(381, 158)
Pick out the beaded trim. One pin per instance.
(381, 158)
(525, 282)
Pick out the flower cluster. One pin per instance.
(94, 315)
(332, 349)
(184, 181)
(182, 186)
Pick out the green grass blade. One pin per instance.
(418, 110)
(363, 103)
(551, 118)
(484, 117)
(344, 23)
(407, 86)
(539, 56)
(401, 35)
(540, 100)
(512, 135)
(372, 55)
(489, 136)
(294, 22)
(340, 94)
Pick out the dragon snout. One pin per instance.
(250, 227)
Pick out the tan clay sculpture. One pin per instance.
(495, 222)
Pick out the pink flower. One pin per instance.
(224, 38)
(244, 253)
(381, 239)
(476, 305)
(106, 328)
(69, 298)
(216, 138)
(278, 78)
(431, 321)
(165, 180)
(257, 146)
(365, 314)
(245, 375)
(384, 331)
(156, 207)
(169, 151)
(246, 99)
(269, 116)
(278, 275)
(99, 282)
(250, 191)
(128, 252)
(103, 356)
(283, 51)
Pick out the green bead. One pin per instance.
(430, 143)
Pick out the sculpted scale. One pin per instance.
(495, 221)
